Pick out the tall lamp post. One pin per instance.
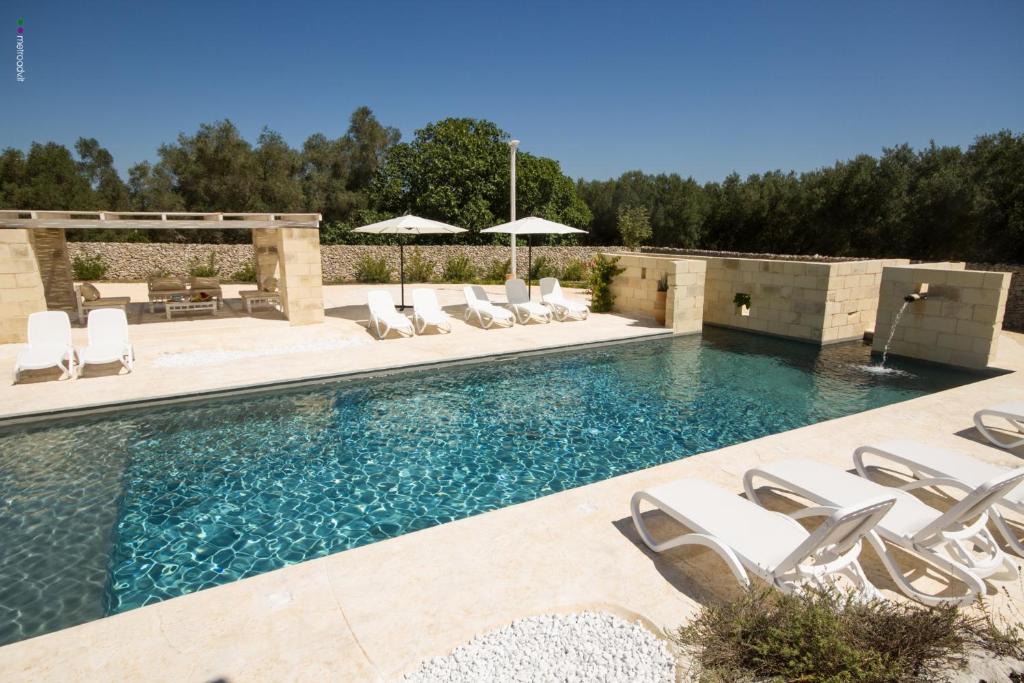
(512, 145)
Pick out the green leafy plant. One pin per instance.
(602, 273)
(741, 300)
(372, 269)
(574, 271)
(634, 226)
(458, 269)
(418, 268)
(542, 267)
(497, 270)
(89, 267)
(247, 273)
(824, 635)
(204, 267)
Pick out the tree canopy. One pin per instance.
(939, 202)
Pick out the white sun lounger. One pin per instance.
(108, 340)
(563, 308)
(1012, 413)
(486, 313)
(49, 344)
(955, 541)
(427, 312)
(768, 544)
(934, 466)
(519, 302)
(383, 316)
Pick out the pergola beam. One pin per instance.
(153, 220)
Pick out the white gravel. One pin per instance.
(589, 646)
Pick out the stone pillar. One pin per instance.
(51, 251)
(264, 246)
(21, 287)
(301, 281)
(958, 323)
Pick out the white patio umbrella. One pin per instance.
(408, 225)
(532, 226)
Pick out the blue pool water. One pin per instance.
(103, 515)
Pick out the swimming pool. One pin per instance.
(102, 515)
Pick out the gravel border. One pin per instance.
(569, 648)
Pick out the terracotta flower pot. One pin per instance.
(660, 301)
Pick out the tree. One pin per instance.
(456, 171)
(97, 166)
(634, 226)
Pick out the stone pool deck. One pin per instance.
(373, 613)
(201, 352)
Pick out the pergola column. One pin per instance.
(21, 286)
(264, 246)
(301, 281)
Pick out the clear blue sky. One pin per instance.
(697, 88)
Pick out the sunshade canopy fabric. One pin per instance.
(533, 226)
(409, 225)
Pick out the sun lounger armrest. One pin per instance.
(817, 511)
(936, 482)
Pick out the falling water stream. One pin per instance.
(892, 331)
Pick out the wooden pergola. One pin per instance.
(35, 269)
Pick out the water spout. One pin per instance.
(911, 298)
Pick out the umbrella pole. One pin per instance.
(529, 266)
(401, 270)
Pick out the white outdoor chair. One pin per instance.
(108, 340)
(768, 544)
(427, 312)
(563, 308)
(1012, 413)
(936, 467)
(519, 302)
(383, 316)
(49, 344)
(955, 541)
(486, 313)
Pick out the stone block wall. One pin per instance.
(635, 290)
(51, 250)
(820, 302)
(959, 322)
(21, 287)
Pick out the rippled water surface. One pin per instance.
(103, 515)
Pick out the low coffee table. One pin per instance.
(188, 306)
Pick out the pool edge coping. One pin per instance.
(175, 398)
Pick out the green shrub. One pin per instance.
(418, 268)
(819, 635)
(602, 272)
(497, 270)
(542, 267)
(371, 269)
(91, 267)
(458, 269)
(574, 271)
(204, 268)
(246, 273)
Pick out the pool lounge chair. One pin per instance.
(768, 544)
(108, 340)
(934, 466)
(49, 344)
(519, 303)
(1012, 413)
(477, 304)
(426, 312)
(383, 316)
(955, 541)
(563, 308)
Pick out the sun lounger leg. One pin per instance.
(980, 424)
(1007, 533)
(975, 587)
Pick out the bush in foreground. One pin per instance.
(826, 636)
(89, 267)
(370, 269)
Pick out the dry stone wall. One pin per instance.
(135, 262)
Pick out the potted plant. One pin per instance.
(661, 299)
(742, 303)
